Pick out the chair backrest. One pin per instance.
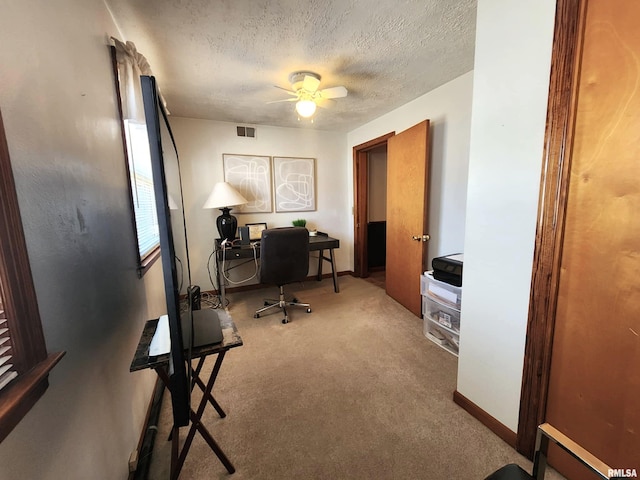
(284, 255)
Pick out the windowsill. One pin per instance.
(21, 396)
(146, 262)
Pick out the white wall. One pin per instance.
(58, 103)
(449, 110)
(512, 64)
(201, 144)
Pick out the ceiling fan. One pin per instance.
(304, 91)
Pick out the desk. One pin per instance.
(160, 363)
(318, 243)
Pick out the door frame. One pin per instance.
(361, 201)
(554, 185)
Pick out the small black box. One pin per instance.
(193, 297)
(448, 269)
(244, 235)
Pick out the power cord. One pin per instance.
(226, 245)
(255, 261)
(213, 300)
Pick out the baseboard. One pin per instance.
(501, 430)
(147, 435)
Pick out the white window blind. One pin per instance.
(7, 372)
(142, 187)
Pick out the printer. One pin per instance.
(448, 269)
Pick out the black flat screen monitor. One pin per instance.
(173, 242)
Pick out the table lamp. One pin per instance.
(224, 196)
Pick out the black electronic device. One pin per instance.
(205, 326)
(244, 235)
(173, 242)
(194, 297)
(448, 269)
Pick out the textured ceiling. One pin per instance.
(220, 59)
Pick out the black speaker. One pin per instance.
(244, 235)
(193, 297)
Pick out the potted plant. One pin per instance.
(301, 222)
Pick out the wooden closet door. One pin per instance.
(594, 390)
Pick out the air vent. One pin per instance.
(246, 132)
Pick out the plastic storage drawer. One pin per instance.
(442, 336)
(440, 313)
(441, 291)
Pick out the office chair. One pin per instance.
(545, 433)
(284, 259)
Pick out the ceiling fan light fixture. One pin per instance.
(306, 108)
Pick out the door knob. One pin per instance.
(423, 238)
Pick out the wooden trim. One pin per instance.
(501, 430)
(554, 184)
(149, 260)
(21, 395)
(146, 441)
(144, 263)
(23, 316)
(142, 268)
(375, 143)
(361, 195)
(360, 200)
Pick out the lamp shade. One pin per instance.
(224, 195)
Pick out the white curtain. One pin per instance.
(132, 64)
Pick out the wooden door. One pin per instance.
(594, 383)
(407, 200)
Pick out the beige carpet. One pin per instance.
(351, 391)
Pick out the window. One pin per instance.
(141, 183)
(7, 370)
(126, 65)
(24, 363)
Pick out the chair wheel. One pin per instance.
(295, 300)
(256, 315)
(285, 320)
(308, 310)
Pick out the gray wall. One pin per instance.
(58, 103)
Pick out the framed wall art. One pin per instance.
(251, 176)
(255, 230)
(294, 184)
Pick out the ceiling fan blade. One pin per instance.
(310, 83)
(290, 92)
(333, 92)
(285, 100)
(325, 103)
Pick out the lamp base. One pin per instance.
(227, 225)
